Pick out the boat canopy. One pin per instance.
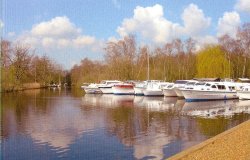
(208, 79)
(244, 80)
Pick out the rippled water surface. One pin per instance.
(66, 124)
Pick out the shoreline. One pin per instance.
(26, 86)
(231, 144)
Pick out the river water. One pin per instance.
(66, 124)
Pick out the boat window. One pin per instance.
(221, 87)
(170, 86)
(103, 82)
(231, 87)
(208, 84)
(190, 83)
(199, 84)
(213, 86)
(180, 82)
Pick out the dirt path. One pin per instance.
(232, 144)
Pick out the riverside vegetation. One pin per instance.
(125, 60)
(21, 69)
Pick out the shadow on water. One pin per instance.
(66, 124)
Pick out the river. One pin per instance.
(66, 124)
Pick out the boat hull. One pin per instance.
(153, 92)
(123, 90)
(139, 90)
(169, 93)
(106, 90)
(194, 95)
(178, 92)
(243, 95)
(92, 90)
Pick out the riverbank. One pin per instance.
(25, 86)
(231, 144)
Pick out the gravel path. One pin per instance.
(232, 144)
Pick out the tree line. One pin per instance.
(125, 60)
(20, 65)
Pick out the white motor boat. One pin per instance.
(140, 87)
(155, 88)
(123, 89)
(174, 90)
(211, 91)
(168, 91)
(244, 93)
(181, 84)
(106, 86)
(92, 88)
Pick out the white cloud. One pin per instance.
(243, 5)
(1, 25)
(195, 22)
(58, 27)
(84, 40)
(48, 42)
(152, 26)
(204, 40)
(228, 24)
(59, 33)
(150, 23)
(64, 43)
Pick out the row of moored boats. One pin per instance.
(191, 90)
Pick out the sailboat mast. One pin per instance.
(148, 65)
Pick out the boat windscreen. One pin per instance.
(180, 82)
(200, 84)
(190, 83)
(170, 86)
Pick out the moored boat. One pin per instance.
(92, 88)
(174, 89)
(244, 93)
(106, 86)
(168, 91)
(155, 88)
(123, 89)
(213, 91)
(181, 84)
(140, 87)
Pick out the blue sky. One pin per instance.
(83, 27)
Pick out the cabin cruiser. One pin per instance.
(174, 90)
(155, 88)
(244, 93)
(168, 90)
(180, 84)
(196, 86)
(123, 89)
(93, 88)
(140, 87)
(211, 91)
(106, 86)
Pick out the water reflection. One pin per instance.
(107, 100)
(213, 109)
(57, 124)
(157, 126)
(48, 118)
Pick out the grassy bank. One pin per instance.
(25, 86)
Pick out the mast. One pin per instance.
(148, 66)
